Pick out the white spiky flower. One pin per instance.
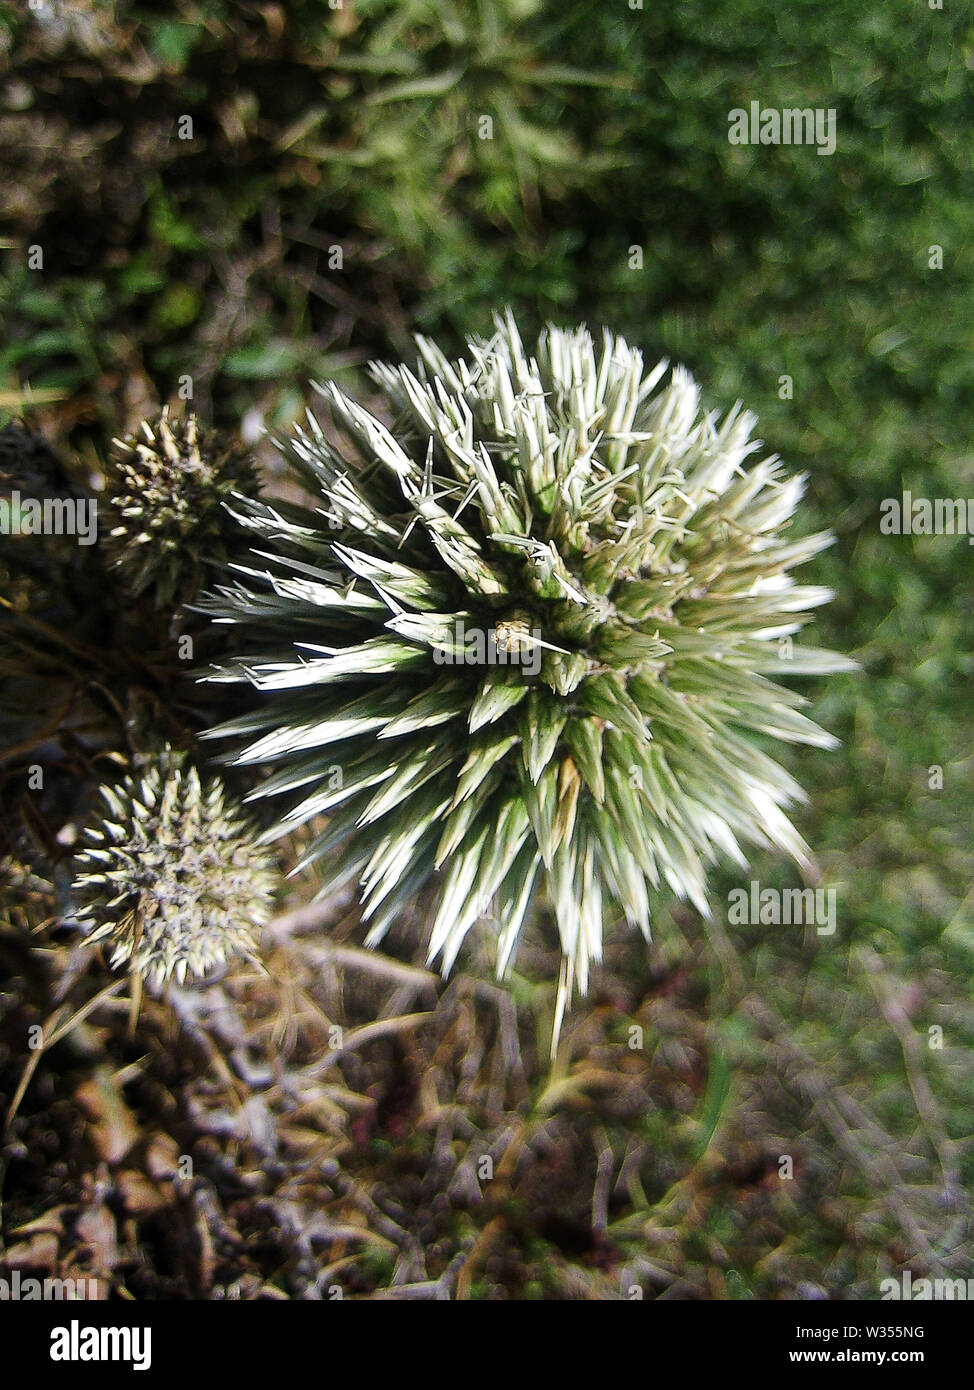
(172, 875)
(534, 623)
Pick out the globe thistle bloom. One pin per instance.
(171, 876)
(528, 638)
(167, 486)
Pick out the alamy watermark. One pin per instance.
(507, 644)
(77, 1343)
(787, 907)
(925, 516)
(926, 1290)
(21, 1289)
(49, 516)
(790, 126)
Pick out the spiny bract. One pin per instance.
(172, 875)
(527, 637)
(166, 488)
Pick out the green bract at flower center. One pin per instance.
(527, 637)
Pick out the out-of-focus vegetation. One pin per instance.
(609, 192)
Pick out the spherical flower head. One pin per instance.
(529, 637)
(172, 877)
(167, 487)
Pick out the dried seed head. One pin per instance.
(167, 487)
(171, 876)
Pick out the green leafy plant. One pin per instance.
(529, 637)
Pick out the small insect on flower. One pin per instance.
(569, 504)
(172, 877)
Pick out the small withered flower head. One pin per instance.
(536, 622)
(167, 486)
(171, 875)
(28, 462)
